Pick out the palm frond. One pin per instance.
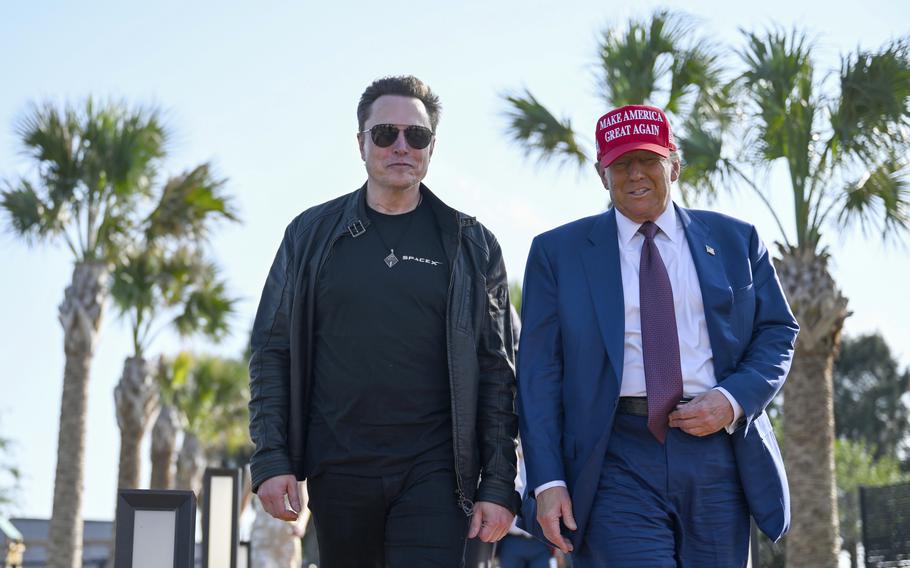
(180, 369)
(705, 169)
(778, 78)
(207, 308)
(30, 216)
(697, 71)
(115, 232)
(134, 279)
(154, 282)
(214, 396)
(126, 144)
(10, 475)
(224, 385)
(95, 164)
(874, 105)
(182, 269)
(633, 61)
(188, 204)
(53, 138)
(880, 200)
(783, 109)
(174, 379)
(535, 129)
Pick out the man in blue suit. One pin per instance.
(654, 338)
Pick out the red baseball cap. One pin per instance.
(632, 127)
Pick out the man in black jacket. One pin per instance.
(382, 365)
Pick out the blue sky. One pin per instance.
(267, 91)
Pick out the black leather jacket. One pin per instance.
(478, 340)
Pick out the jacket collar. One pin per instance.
(602, 268)
(667, 222)
(356, 220)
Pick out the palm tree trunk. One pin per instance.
(808, 419)
(135, 397)
(80, 316)
(190, 464)
(164, 447)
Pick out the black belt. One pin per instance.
(637, 405)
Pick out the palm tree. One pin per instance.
(164, 446)
(663, 62)
(171, 422)
(165, 273)
(93, 167)
(210, 395)
(845, 153)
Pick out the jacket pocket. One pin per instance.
(463, 295)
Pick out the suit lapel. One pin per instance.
(716, 294)
(602, 268)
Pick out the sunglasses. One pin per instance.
(384, 135)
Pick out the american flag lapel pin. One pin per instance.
(709, 249)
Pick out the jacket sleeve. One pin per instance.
(270, 368)
(764, 365)
(540, 371)
(497, 423)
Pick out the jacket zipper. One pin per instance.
(467, 506)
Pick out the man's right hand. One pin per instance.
(552, 504)
(271, 493)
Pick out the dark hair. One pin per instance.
(403, 85)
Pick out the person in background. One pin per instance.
(519, 549)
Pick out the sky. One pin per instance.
(267, 92)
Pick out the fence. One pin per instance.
(886, 525)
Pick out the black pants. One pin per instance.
(403, 520)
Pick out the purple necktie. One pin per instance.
(659, 340)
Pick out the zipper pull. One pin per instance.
(466, 504)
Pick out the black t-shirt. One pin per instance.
(381, 398)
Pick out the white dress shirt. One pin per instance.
(695, 355)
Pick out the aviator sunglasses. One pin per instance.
(384, 135)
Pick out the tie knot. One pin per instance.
(648, 229)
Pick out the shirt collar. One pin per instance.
(667, 222)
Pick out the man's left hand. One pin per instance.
(703, 415)
(490, 522)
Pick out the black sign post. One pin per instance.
(221, 509)
(155, 528)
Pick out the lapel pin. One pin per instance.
(709, 249)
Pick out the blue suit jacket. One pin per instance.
(571, 355)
